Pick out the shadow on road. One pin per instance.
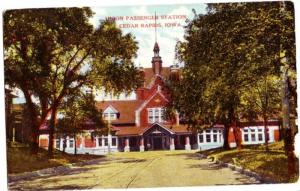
(206, 166)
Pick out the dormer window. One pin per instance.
(110, 113)
(111, 116)
(156, 115)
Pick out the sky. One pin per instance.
(145, 36)
(166, 36)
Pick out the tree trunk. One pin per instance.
(64, 143)
(51, 130)
(288, 133)
(237, 137)
(266, 129)
(226, 133)
(33, 116)
(75, 147)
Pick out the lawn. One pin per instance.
(20, 159)
(272, 164)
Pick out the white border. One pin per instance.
(16, 4)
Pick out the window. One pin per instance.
(105, 142)
(150, 116)
(253, 135)
(71, 143)
(208, 138)
(201, 138)
(215, 138)
(211, 136)
(110, 113)
(110, 116)
(260, 135)
(246, 137)
(114, 141)
(100, 142)
(57, 143)
(156, 115)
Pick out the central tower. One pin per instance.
(156, 59)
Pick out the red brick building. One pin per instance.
(140, 124)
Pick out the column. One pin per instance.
(61, 144)
(142, 147)
(177, 118)
(82, 141)
(109, 141)
(198, 141)
(172, 146)
(187, 145)
(127, 147)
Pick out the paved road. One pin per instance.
(136, 170)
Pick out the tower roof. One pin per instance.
(156, 47)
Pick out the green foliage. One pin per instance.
(52, 53)
(257, 160)
(228, 53)
(79, 113)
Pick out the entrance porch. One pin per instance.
(158, 137)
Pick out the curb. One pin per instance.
(239, 169)
(51, 171)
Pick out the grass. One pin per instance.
(20, 159)
(272, 164)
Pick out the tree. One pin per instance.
(228, 49)
(262, 99)
(48, 47)
(79, 113)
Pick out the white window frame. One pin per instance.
(104, 141)
(57, 146)
(156, 114)
(209, 133)
(113, 116)
(249, 131)
(68, 143)
(110, 110)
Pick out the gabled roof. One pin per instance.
(145, 102)
(149, 75)
(126, 108)
(138, 131)
(110, 108)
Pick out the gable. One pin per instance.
(126, 108)
(110, 109)
(157, 99)
(157, 128)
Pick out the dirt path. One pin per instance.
(135, 170)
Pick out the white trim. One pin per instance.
(112, 108)
(156, 123)
(138, 111)
(148, 100)
(137, 118)
(256, 132)
(151, 84)
(110, 113)
(160, 110)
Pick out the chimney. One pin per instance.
(175, 70)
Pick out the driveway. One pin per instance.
(139, 170)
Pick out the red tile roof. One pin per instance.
(149, 75)
(126, 108)
(137, 131)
